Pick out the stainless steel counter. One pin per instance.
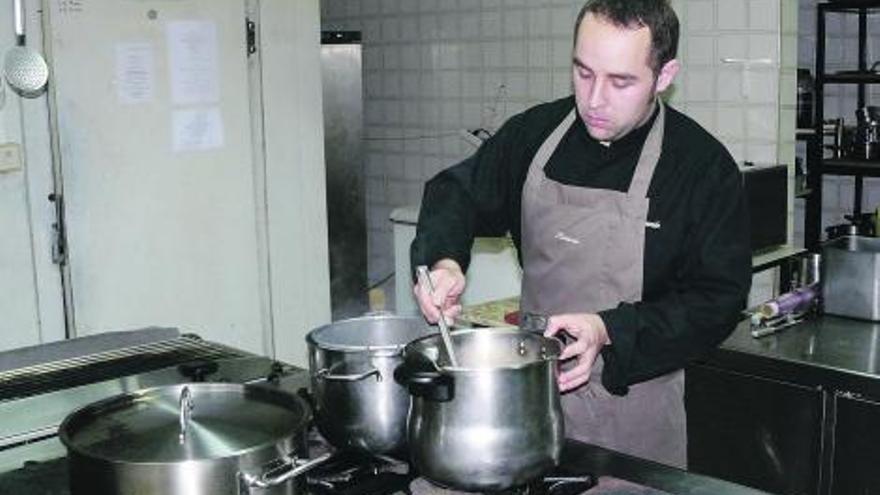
(583, 458)
(824, 351)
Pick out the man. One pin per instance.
(630, 224)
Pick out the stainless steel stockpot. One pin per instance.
(492, 423)
(189, 439)
(358, 405)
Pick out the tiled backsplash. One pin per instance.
(433, 68)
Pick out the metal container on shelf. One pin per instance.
(851, 270)
(866, 141)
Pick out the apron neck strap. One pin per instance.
(549, 146)
(649, 157)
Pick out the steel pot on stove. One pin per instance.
(189, 439)
(494, 421)
(357, 403)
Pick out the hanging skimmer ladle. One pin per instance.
(25, 69)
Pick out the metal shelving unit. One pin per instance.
(817, 164)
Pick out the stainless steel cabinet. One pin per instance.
(754, 431)
(856, 458)
(781, 437)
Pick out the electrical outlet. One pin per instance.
(10, 157)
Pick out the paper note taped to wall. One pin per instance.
(197, 129)
(193, 62)
(135, 73)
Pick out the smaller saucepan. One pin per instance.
(358, 405)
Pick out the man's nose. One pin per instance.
(597, 93)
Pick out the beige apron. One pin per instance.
(583, 251)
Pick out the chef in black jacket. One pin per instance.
(630, 223)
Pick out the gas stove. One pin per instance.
(342, 474)
(37, 393)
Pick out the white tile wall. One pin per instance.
(434, 67)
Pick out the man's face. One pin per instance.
(614, 87)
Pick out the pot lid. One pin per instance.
(196, 421)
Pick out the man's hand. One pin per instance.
(449, 283)
(589, 333)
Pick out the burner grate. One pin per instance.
(82, 370)
(350, 473)
(551, 485)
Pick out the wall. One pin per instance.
(288, 187)
(30, 288)
(435, 67)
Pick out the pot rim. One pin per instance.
(64, 433)
(474, 370)
(390, 350)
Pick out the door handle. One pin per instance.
(59, 234)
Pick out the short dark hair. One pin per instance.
(657, 15)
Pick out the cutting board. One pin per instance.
(490, 314)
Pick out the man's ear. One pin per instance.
(667, 75)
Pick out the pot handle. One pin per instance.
(425, 383)
(355, 377)
(290, 467)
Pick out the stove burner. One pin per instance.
(352, 473)
(568, 485)
(550, 485)
(358, 473)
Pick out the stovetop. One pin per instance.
(33, 460)
(344, 474)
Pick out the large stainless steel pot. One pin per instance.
(492, 423)
(191, 439)
(358, 404)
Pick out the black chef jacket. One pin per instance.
(697, 265)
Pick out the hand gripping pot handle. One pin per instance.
(290, 467)
(427, 383)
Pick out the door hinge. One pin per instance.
(250, 29)
(59, 234)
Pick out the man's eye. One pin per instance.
(585, 74)
(621, 83)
